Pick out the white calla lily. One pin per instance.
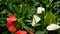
(52, 27)
(36, 19)
(40, 9)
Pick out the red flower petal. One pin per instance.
(12, 28)
(8, 24)
(11, 15)
(15, 24)
(21, 32)
(11, 18)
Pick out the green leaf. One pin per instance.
(28, 28)
(58, 31)
(6, 32)
(37, 24)
(49, 18)
(21, 22)
(40, 32)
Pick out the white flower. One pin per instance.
(52, 27)
(36, 19)
(40, 9)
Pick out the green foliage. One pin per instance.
(24, 10)
(49, 18)
(41, 32)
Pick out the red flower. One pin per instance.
(12, 28)
(11, 18)
(21, 32)
(11, 25)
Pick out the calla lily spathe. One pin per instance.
(52, 27)
(40, 9)
(36, 19)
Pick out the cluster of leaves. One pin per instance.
(24, 11)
